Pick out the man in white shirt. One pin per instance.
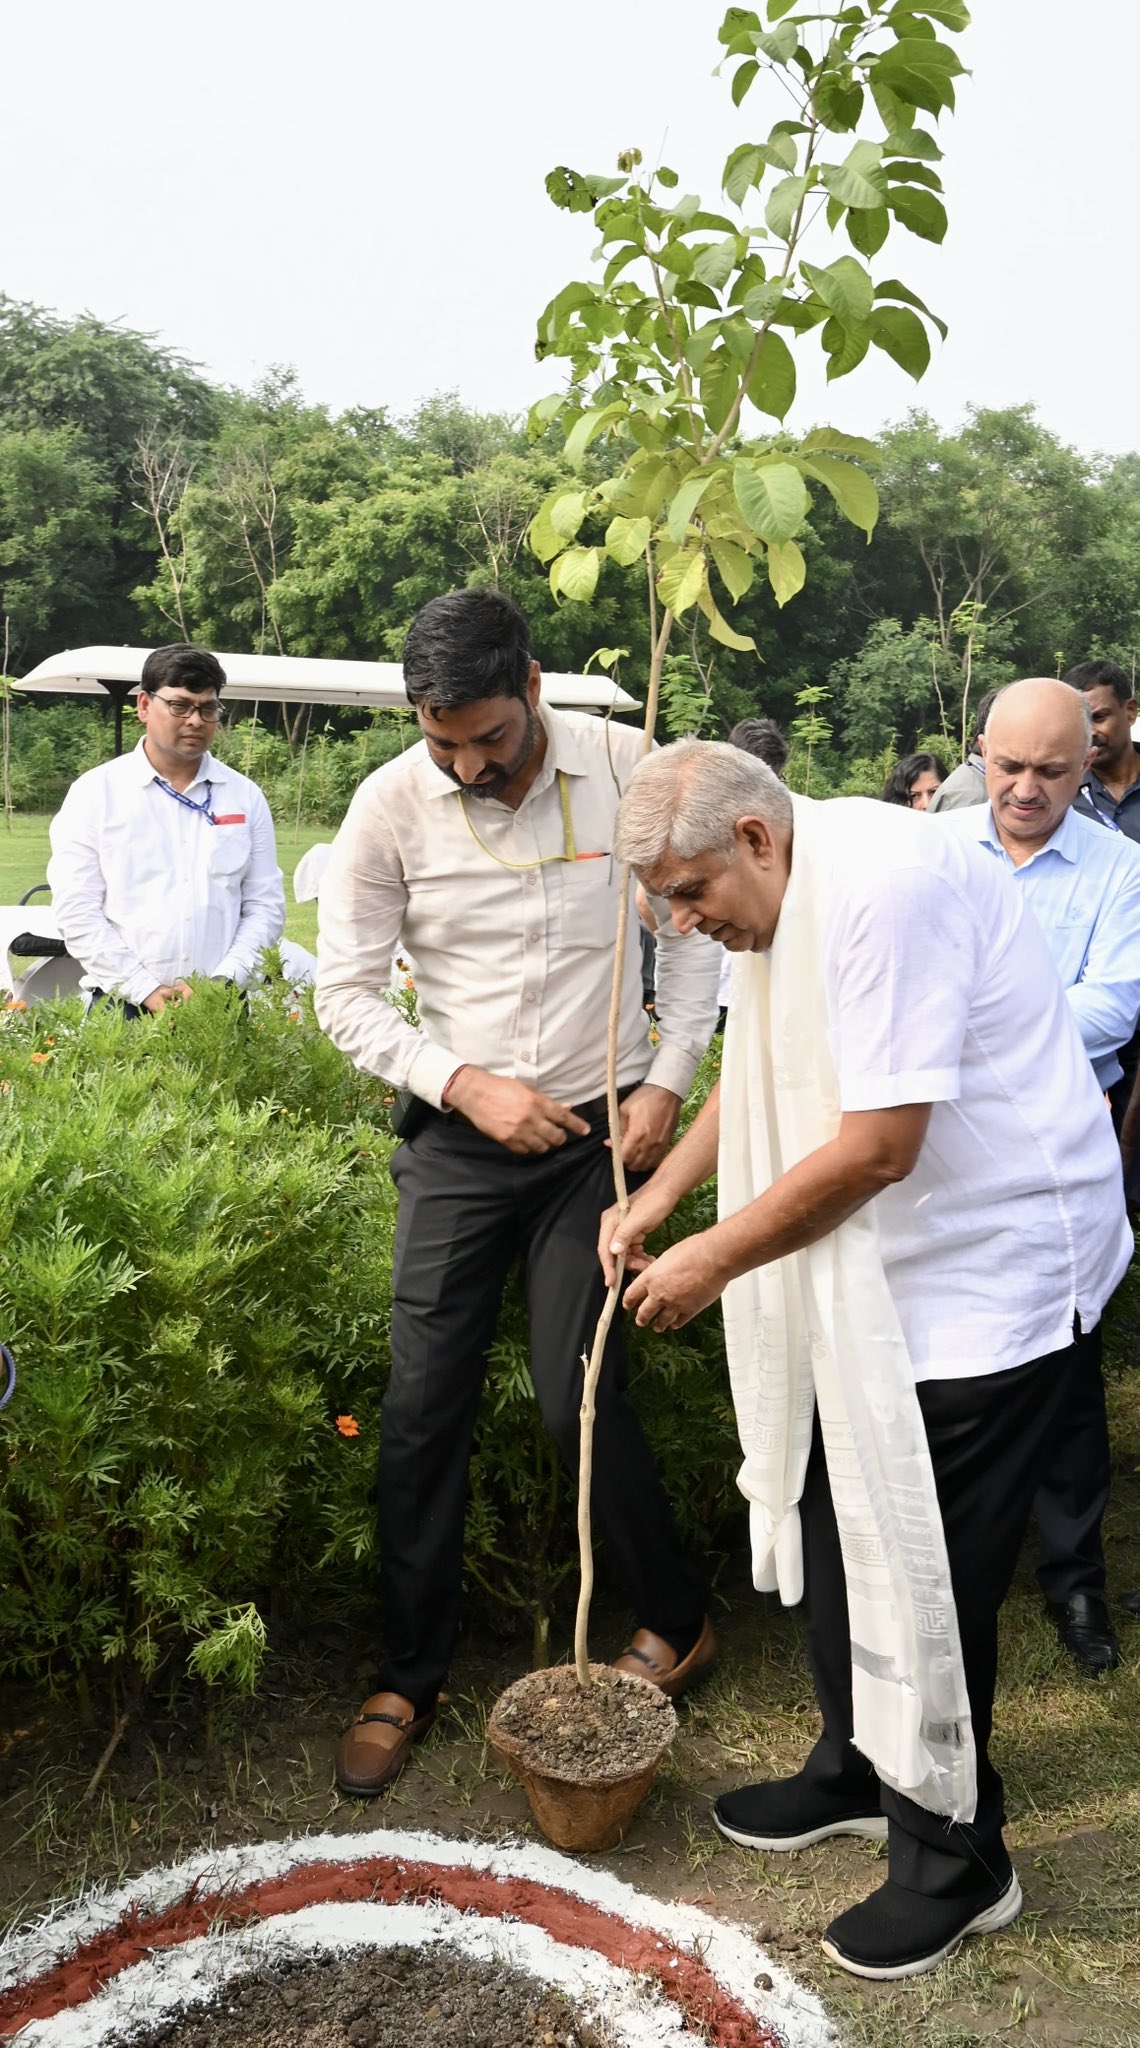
(964, 1109)
(1082, 881)
(486, 851)
(164, 863)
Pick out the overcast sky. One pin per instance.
(356, 188)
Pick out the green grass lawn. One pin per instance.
(24, 856)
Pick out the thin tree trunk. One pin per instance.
(593, 1364)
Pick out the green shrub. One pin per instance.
(196, 1227)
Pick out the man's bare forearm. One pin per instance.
(870, 1152)
(692, 1160)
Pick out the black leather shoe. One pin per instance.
(1082, 1622)
(1131, 1601)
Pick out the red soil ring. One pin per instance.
(388, 1880)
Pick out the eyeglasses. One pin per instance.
(183, 708)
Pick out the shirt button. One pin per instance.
(534, 938)
(526, 1056)
(532, 879)
(530, 998)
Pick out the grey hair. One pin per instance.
(686, 799)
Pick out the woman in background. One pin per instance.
(914, 780)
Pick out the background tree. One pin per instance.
(102, 386)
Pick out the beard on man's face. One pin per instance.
(497, 778)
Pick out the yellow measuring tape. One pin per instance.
(568, 848)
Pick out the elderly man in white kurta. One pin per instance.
(920, 1222)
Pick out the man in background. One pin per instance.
(1082, 880)
(164, 861)
(762, 738)
(966, 784)
(1111, 785)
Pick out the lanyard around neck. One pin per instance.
(568, 848)
(187, 802)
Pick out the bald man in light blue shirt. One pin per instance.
(1082, 878)
(1084, 886)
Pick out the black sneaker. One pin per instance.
(896, 1933)
(788, 1813)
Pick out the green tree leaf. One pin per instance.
(545, 540)
(845, 348)
(915, 174)
(859, 179)
(773, 498)
(744, 169)
(686, 499)
(682, 579)
(784, 203)
(627, 539)
(763, 300)
(838, 102)
(738, 21)
(868, 231)
(567, 512)
(772, 385)
(845, 288)
(719, 628)
(587, 429)
(851, 488)
(839, 443)
(953, 14)
(902, 336)
(919, 211)
(780, 44)
(735, 568)
(719, 385)
(715, 263)
(665, 176)
(892, 289)
(575, 574)
(920, 72)
(569, 191)
(787, 571)
(913, 142)
(742, 78)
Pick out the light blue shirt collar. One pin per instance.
(1065, 841)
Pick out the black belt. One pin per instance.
(590, 1112)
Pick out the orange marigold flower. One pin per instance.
(39, 1059)
(17, 1005)
(348, 1425)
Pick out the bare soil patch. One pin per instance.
(388, 1998)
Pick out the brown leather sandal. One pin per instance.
(651, 1657)
(376, 1747)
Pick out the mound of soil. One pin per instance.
(382, 1998)
(587, 1735)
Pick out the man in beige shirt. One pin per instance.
(486, 851)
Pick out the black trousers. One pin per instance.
(987, 1439)
(1073, 1494)
(468, 1209)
